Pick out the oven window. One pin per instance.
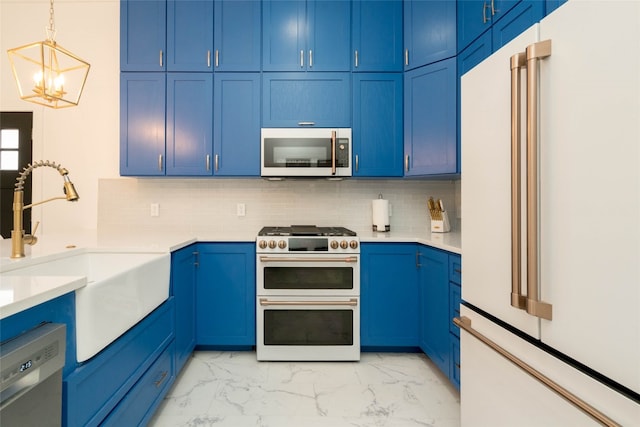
(308, 327)
(308, 278)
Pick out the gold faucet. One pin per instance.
(18, 238)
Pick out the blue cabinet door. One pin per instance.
(389, 295)
(189, 35)
(289, 99)
(142, 130)
(474, 18)
(377, 124)
(183, 289)
(551, 5)
(376, 34)
(429, 32)
(142, 35)
(226, 295)
(306, 36)
(430, 108)
(236, 141)
(475, 53)
(189, 123)
(511, 24)
(328, 35)
(434, 305)
(237, 35)
(283, 35)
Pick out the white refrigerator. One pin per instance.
(550, 136)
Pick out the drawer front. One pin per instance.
(454, 374)
(454, 307)
(455, 269)
(141, 401)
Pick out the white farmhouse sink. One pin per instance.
(122, 288)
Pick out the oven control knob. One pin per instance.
(262, 244)
(334, 244)
(272, 244)
(282, 244)
(353, 244)
(344, 244)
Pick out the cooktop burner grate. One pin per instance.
(305, 230)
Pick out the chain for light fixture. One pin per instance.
(46, 73)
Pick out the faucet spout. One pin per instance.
(18, 237)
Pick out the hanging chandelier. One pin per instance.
(48, 74)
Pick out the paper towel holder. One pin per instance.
(380, 215)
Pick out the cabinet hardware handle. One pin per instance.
(465, 324)
(163, 376)
(356, 59)
(406, 57)
(161, 58)
(457, 270)
(208, 161)
(306, 123)
(357, 163)
(310, 58)
(216, 162)
(208, 59)
(217, 58)
(493, 8)
(418, 265)
(485, 6)
(196, 256)
(301, 58)
(535, 306)
(349, 259)
(333, 152)
(406, 163)
(351, 302)
(160, 162)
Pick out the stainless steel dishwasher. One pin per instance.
(31, 377)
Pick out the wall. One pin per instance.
(209, 205)
(84, 139)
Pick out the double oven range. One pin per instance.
(308, 293)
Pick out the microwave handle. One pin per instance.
(333, 152)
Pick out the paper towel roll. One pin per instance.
(380, 215)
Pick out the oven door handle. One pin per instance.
(351, 302)
(349, 259)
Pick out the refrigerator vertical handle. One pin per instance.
(333, 152)
(535, 306)
(518, 61)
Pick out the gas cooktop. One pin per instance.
(305, 230)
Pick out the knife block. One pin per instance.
(441, 225)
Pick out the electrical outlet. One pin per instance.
(241, 209)
(154, 209)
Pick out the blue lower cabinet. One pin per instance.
(226, 295)
(306, 99)
(388, 295)
(139, 405)
(454, 369)
(100, 385)
(183, 289)
(434, 304)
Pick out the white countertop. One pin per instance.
(18, 293)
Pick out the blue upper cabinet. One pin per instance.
(237, 35)
(429, 32)
(430, 112)
(142, 35)
(189, 35)
(142, 123)
(303, 99)
(477, 16)
(377, 35)
(306, 36)
(189, 124)
(377, 125)
(236, 140)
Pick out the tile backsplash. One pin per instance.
(210, 205)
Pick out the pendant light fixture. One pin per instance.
(48, 74)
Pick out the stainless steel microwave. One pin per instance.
(305, 152)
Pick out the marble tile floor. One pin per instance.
(233, 389)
